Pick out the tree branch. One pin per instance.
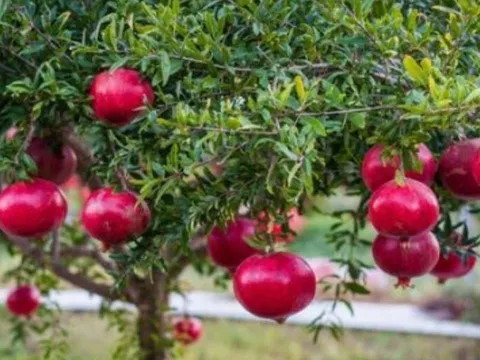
(94, 254)
(76, 279)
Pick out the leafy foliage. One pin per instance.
(286, 95)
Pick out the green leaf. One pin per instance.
(413, 69)
(316, 125)
(166, 66)
(358, 120)
(356, 288)
(3, 7)
(300, 88)
(474, 95)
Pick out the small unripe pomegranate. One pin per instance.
(403, 210)
(119, 95)
(459, 168)
(406, 258)
(56, 164)
(23, 300)
(376, 172)
(187, 330)
(274, 286)
(451, 266)
(228, 247)
(114, 218)
(296, 223)
(32, 208)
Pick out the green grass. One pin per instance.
(226, 340)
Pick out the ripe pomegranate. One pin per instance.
(187, 330)
(23, 300)
(459, 168)
(119, 95)
(451, 265)
(406, 258)
(228, 247)
(375, 172)
(32, 208)
(274, 286)
(403, 210)
(114, 218)
(54, 164)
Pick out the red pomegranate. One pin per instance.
(274, 286)
(228, 247)
(406, 258)
(54, 163)
(458, 168)
(451, 265)
(296, 223)
(119, 95)
(114, 218)
(32, 208)
(376, 172)
(23, 300)
(403, 210)
(187, 330)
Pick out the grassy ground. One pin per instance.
(90, 340)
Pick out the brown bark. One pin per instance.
(152, 321)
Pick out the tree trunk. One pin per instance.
(152, 322)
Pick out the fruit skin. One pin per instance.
(376, 173)
(403, 210)
(56, 165)
(451, 265)
(114, 218)
(24, 300)
(32, 208)
(187, 330)
(274, 286)
(119, 95)
(457, 169)
(228, 247)
(407, 258)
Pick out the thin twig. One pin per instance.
(118, 171)
(19, 57)
(349, 111)
(27, 140)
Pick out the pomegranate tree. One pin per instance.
(242, 107)
(403, 210)
(406, 258)
(274, 286)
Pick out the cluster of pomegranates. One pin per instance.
(271, 285)
(404, 210)
(35, 208)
